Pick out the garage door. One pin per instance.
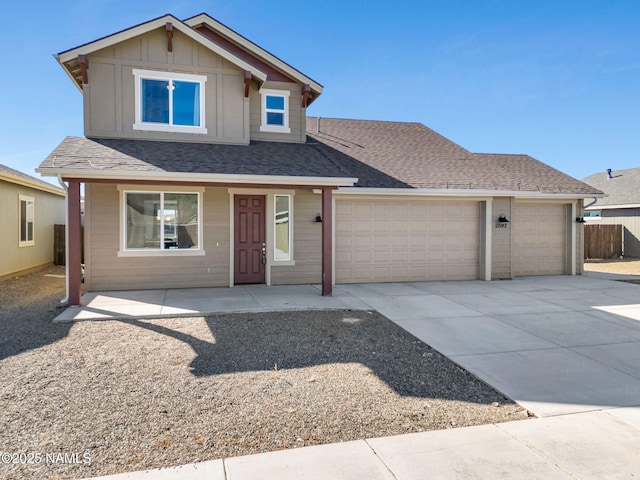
(540, 240)
(395, 241)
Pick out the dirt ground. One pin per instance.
(118, 396)
(627, 266)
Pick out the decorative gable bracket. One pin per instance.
(83, 61)
(169, 28)
(247, 83)
(306, 89)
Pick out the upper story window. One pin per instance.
(27, 210)
(169, 102)
(275, 111)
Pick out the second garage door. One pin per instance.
(406, 240)
(540, 239)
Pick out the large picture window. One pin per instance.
(169, 102)
(161, 221)
(27, 220)
(282, 227)
(275, 111)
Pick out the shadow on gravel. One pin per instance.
(27, 306)
(291, 340)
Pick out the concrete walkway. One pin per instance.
(566, 348)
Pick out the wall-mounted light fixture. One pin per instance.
(502, 219)
(580, 220)
(318, 219)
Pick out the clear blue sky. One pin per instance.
(558, 80)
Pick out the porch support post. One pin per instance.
(327, 246)
(486, 240)
(74, 248)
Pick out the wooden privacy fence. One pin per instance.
(59, 244)
(603, 241)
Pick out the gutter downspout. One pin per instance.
(66, 238)
(595, 199)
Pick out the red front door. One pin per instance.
(250, 247)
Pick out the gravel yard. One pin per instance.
(131, 395)
(626, 266)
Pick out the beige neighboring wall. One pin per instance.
(105, 270)
(307, 247)
(49, 210)
(109, 98)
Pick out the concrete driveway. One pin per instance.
(566, 348)
(556, 345)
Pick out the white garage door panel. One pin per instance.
(539, 232)
(393, 241)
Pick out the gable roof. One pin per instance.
(623, 189)
(69, 58)
(215, 36)
(389, 155)
(14, 176)
(246, 49)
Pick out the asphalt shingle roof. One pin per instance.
(379, 154)
(622, 189)
(418, 156)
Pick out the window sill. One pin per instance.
(159, 127)
(283, 263)
(185, 252)
(26, 244)
(272, 129)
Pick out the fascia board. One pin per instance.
(252, 47)
(421, 192)
(31, 184)
(147, 27)
(613, 207)
(204, 178)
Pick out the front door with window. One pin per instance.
(250, 246)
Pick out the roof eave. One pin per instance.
(31, 183)
(619, 206)
(450, 192)
(204, 178)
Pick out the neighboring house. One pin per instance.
(29, 208)
(201, 169)
(620, 206)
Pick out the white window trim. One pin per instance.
(159, 252)
(289, 260)
(274, 128)
(32, 242)
(588, 217)
(161, 127)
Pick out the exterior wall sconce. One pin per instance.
(580, 220)
(502, 219)
(318, 219)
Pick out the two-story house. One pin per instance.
(201, 168)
